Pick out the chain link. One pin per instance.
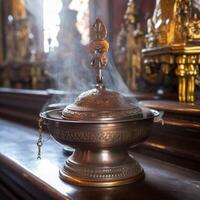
(39, 142)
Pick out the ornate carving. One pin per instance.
(130, 41)
(99, 47)
(187, 71)
(169, 23)
(173, 32)
(194, 29)
(107, 137)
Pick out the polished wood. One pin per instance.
(38, 179)
(179, 135)
(25, 105)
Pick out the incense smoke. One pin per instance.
(68, 65)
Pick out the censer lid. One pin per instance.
(100, 103)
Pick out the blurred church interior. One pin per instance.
(153, 59)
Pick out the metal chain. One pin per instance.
(39, 142)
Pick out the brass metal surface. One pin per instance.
(64, 176)
(101, 104)
(100, 125)
(99, 47)
(173, 45)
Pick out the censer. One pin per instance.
(100, 125)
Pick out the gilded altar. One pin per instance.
(172, 46)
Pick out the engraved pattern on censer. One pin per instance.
(112, 137)
(100, 125)
(95, 104)
(105, 114)
(109, 173)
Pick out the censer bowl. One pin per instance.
(101, 155)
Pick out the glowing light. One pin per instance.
(83, 23)
(51, 21)
(48, 172)
(105, 156)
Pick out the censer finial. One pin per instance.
(99, 47)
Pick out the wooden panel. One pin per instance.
(179, 135)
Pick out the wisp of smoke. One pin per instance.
(71, 77)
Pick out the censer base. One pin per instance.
(101, 169)
(67, 178)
